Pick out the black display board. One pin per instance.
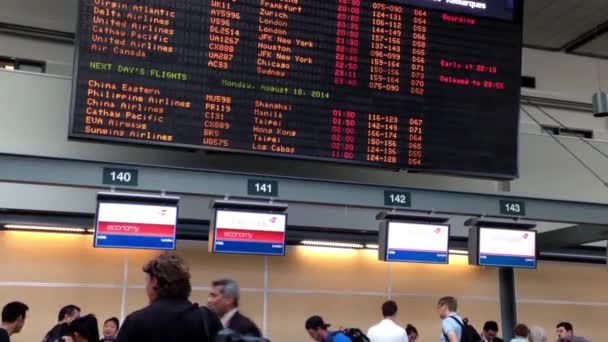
(422, 85)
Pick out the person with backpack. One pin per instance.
(317, 329)
(170, 316)
(453, 327)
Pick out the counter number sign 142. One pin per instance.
(397, 199)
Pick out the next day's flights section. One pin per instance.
(244, 232)
(411, 242)
(507, 248)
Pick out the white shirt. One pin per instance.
(387, 331)
(228, 316)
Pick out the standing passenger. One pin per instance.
(521, 333)
(317, 330)
(110, 329)
(565, 333)
(412, 333)
(538, 334)
(83, 329)
(66, 315)
(388, 330)
(13, 320)
(224, 300)
(451, 322)
(170, 315)
(490, 332)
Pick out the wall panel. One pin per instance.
(328, 269)
(346, 287)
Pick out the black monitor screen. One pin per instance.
(405, 84)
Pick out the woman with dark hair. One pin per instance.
(521, 333)
(110, 329)
(412, 333)
(83, 329)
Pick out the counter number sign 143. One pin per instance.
(513, 208)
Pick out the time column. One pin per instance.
(347, 42)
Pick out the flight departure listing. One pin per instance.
(430, 85)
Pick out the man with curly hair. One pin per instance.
(170, 315)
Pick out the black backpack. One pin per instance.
(57, 333)
(469, 334)
(228, 335)
(354, 334)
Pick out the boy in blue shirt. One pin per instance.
(317, 329)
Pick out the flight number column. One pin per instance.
(383, 138)
(217, 121)
(343, 128)
(223, 36)
(387, 31)
(419, 51)
(347, 42)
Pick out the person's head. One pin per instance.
(538, 334)
(564, 331)
(412, 333)
(389, 309)
(317, 328)
(167, 276)
(13, 317)
(84, 329)
(521, 330)
(446, 306)
(110, 327)
(68, 313)
(490, 330)
(224, 296)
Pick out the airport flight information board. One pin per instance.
(429, 85)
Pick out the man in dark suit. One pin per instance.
(490, 332)
(224, 300)
(170, 316)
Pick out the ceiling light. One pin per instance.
(371, 246)
(332, 244)
(46, 228)
(458, 252)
